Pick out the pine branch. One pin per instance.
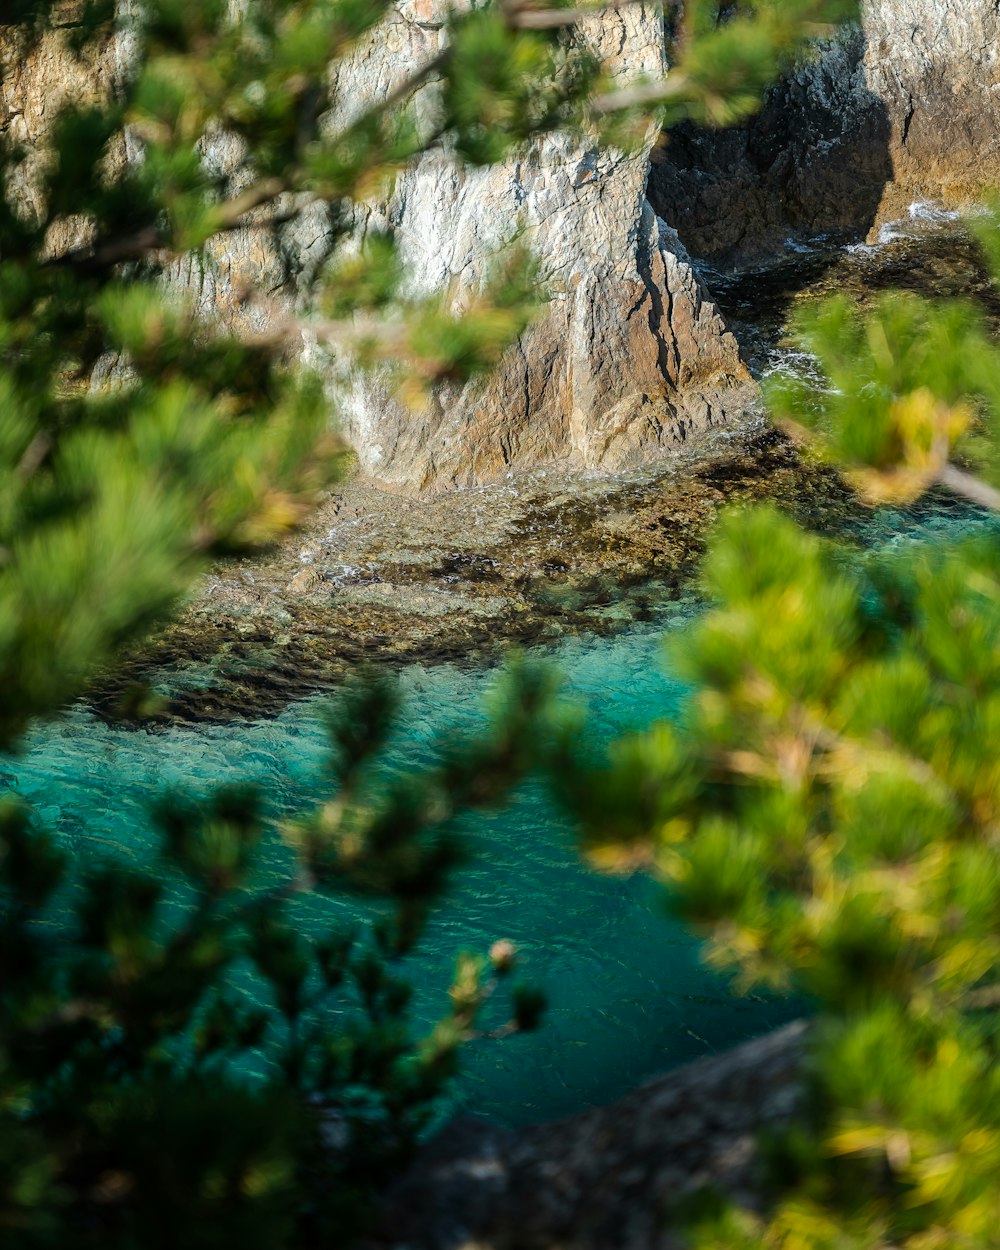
(110, 252)
(974, 489)
(663, 92)
(229, 215)
(521, 16)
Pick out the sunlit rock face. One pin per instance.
(936, 66)
(628, 358)
(35, 83)
(905, 107)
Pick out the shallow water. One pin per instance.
(628, 995)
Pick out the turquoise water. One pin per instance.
(626, 990)
(627, 993)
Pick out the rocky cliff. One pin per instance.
(629, 357)
(35, 83)
(905, 107)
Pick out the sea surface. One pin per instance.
(628, 994)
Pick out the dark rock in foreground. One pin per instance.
(609, 1179)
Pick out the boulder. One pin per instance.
(617, 1176)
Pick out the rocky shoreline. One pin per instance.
(381, 578)
(902, 107)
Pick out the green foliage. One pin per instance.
(206, 444)
(909, 387)
(826, 811)
(178, 1061)
(502, 88)
(178, 1064)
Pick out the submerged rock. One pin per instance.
(384, 576)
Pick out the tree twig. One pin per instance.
(104, 254)
(969, 487)
(983, 998)
(634, 97)
(522, 17)
(109, 252)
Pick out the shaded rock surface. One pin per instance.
(613, 1177)
(906, 107)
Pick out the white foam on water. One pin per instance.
(931, 211)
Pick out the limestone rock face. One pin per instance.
(936, 66)
(629, 357)
(905, 108)
(35, 83)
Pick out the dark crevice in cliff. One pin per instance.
(815, 160)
